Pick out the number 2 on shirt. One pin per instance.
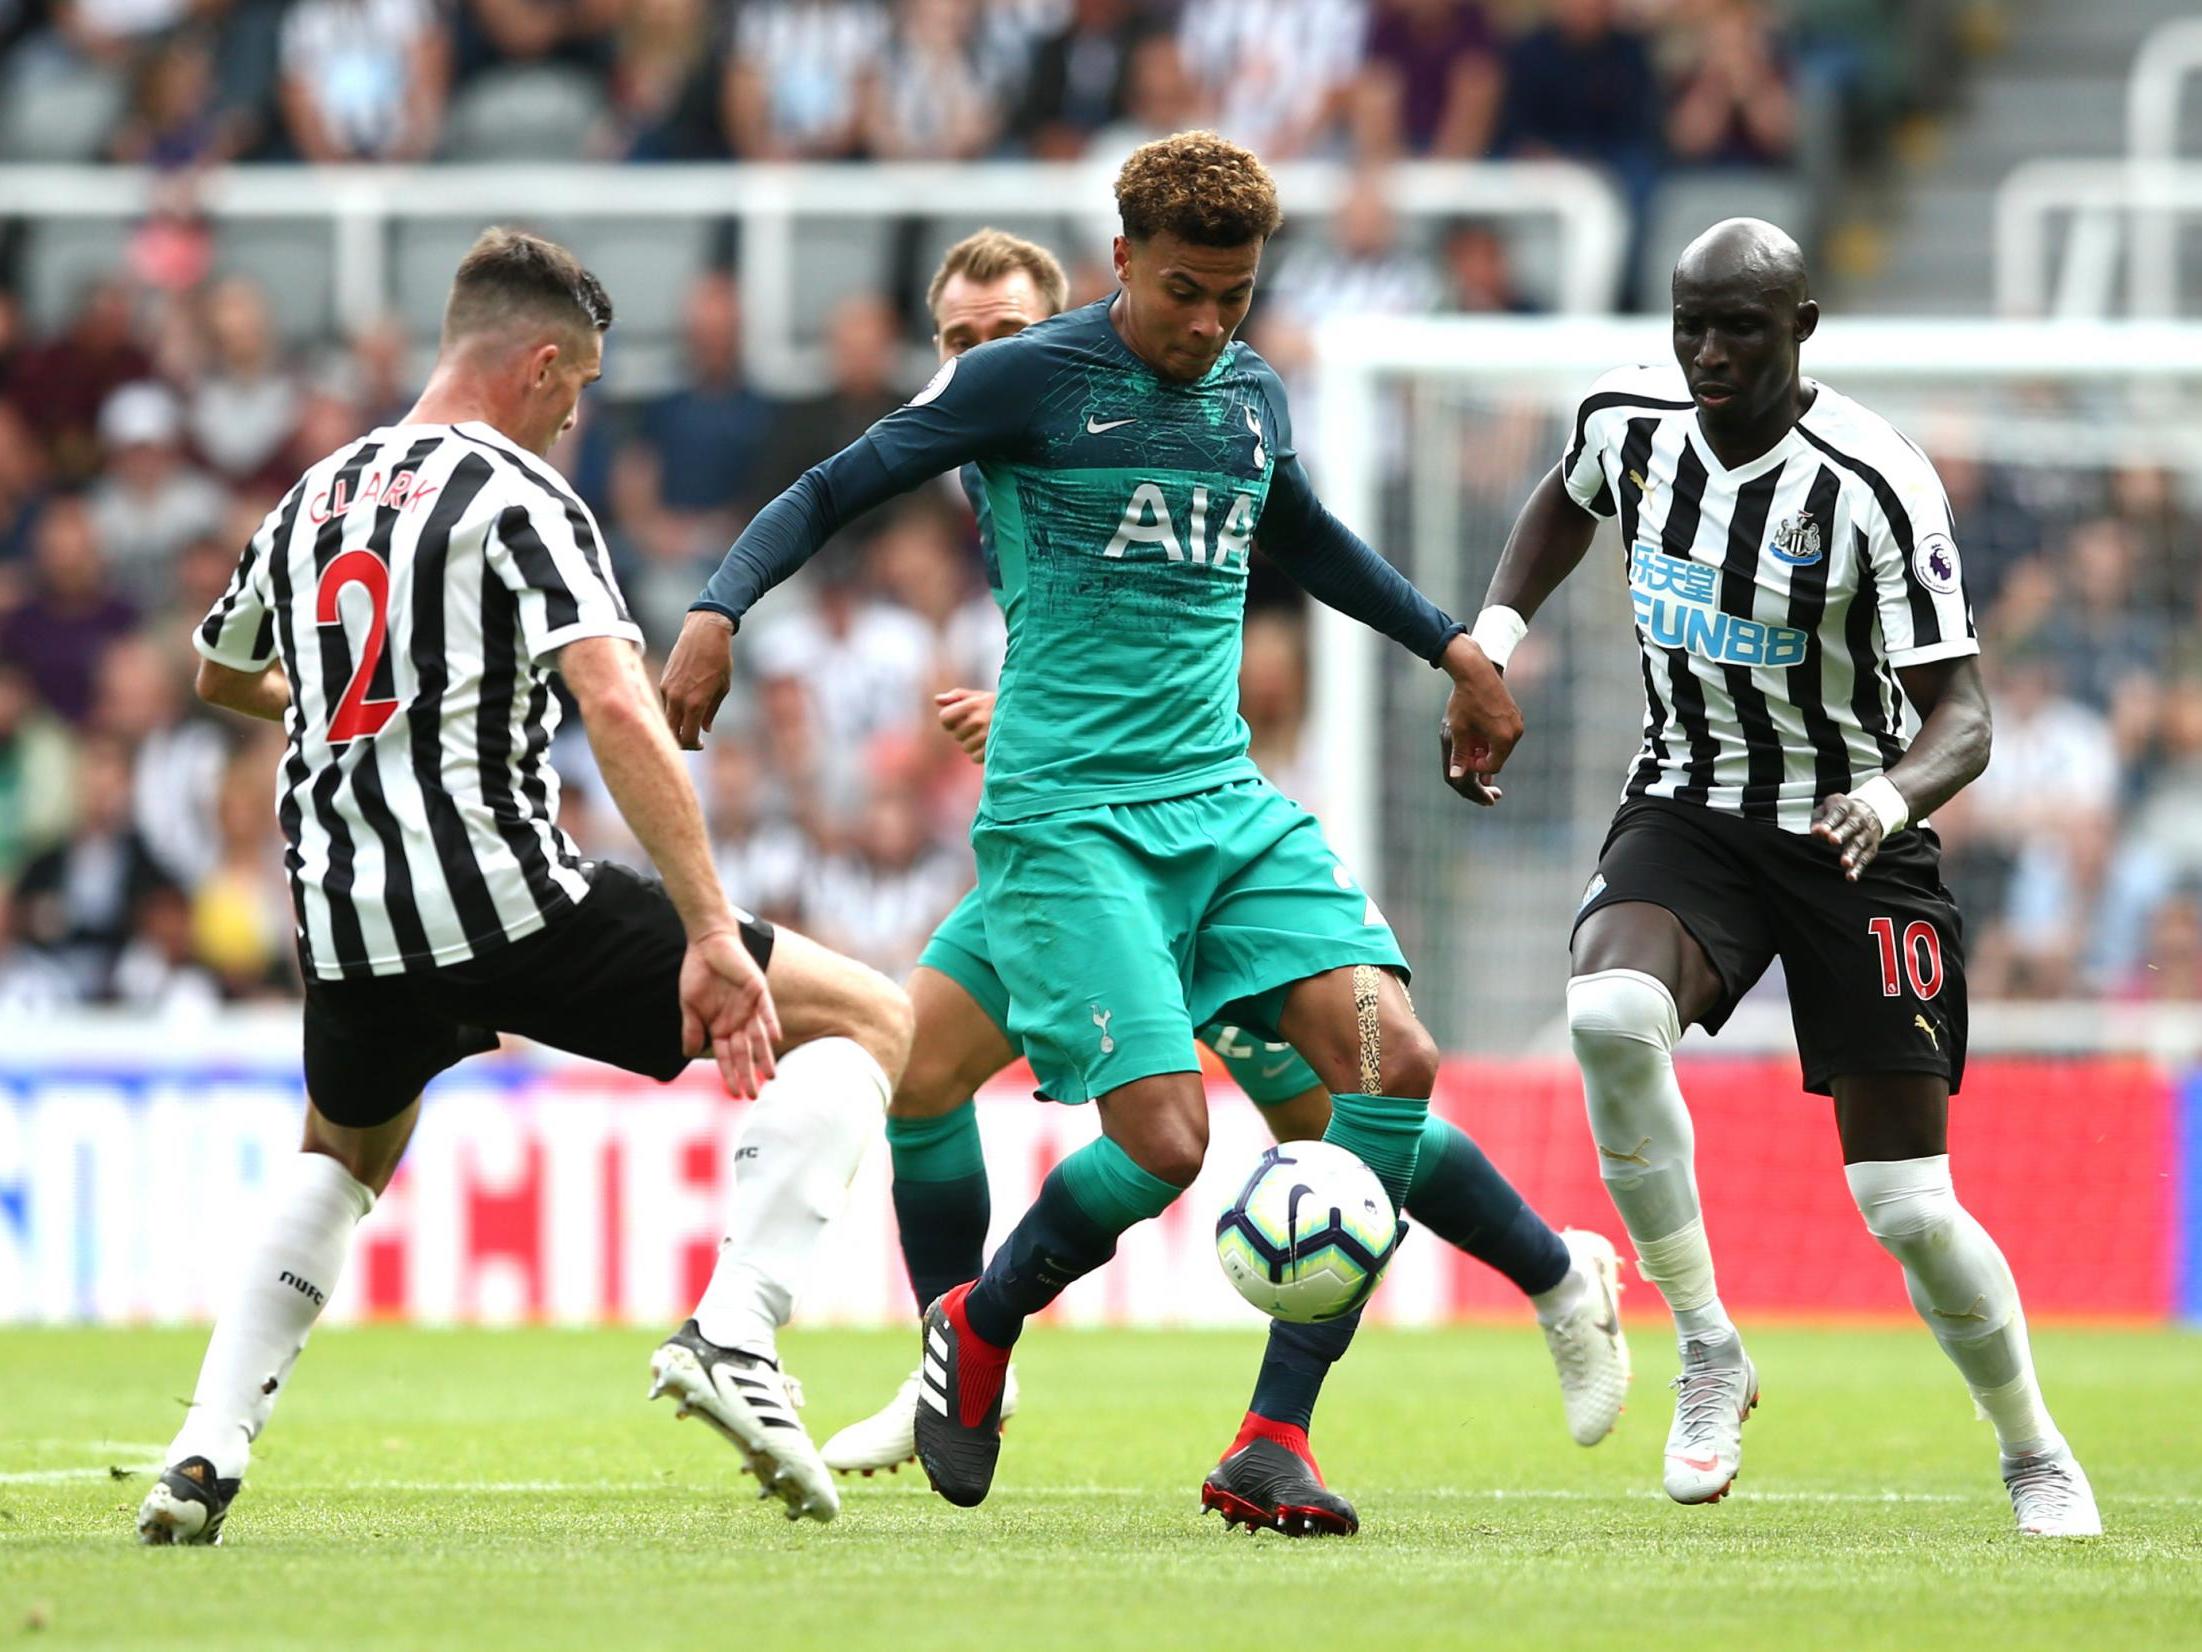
(356, 715)
(1919, 957)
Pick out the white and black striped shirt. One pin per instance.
(416, 586)
(1773, 601)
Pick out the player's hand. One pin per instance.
(726, 1008)
(1482, 724)
(1852, 827)
(967, 714)
(697, 676)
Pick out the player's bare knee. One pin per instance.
(884, 1025)
(932, 1084)
(1169, 1144)
(1408, 1062)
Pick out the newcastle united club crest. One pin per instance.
(1797, 540)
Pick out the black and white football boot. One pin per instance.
(747, 1397)
(187, 1504)
(1268, 1478)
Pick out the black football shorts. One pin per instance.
(1876, 968)
(601, 980)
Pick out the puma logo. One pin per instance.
(1975, 1312)
(1642, 486)
(1101, 1019)
(1927, 1027)
(1633, 1156)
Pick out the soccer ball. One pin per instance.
(1310, 1233)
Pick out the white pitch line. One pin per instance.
(53, 1476)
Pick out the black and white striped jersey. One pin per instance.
(416, 586)
(1773, 601)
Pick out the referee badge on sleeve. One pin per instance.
(1934, 561)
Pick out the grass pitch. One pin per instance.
(488, 1490)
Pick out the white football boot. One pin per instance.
(2050, 1494)
(888, 1437)
(1717, 1389)
(752, 1402)
(1588, 1349)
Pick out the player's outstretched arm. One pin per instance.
(1548, 541)
(725, 1004)
(1333, 565)
(974, 406)
(1948, 754)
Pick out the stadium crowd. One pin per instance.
(141, 441)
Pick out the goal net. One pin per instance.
(2072, 454)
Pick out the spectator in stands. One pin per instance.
(2170, 967)
(181, 751)
(931, 98)
(364, 80)
(241, 915)
(864, 667)
(574, 33)
(796, 75)
(150, 501)
(32, 984)
(245, 405)
(1362, 267)
(22, 485)
(2101, 637)
(376, 375)
(1081, 78)
(920, 561)
(1432, 82)
(1581, 86)
(661, 91)
(862, 341)
(1273, 700)
(59, 387)
(36, 767)
(76, 899)
(2167, 552)
(880, 896)
(1161, 98)
(156, 973)
(1477, 270)
(707, 436)
(56, 634)
(1280, 72)
(758, 850)
(2160, 850)
(1733, 105)
(176, 121)
(2029, 838)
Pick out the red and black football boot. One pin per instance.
(1269, 1478)
(959, 1414)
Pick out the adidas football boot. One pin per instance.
(752, 1402)
(187, 1504)
(1269, 1478)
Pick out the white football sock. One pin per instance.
(287, 1278)
(1961, 1286)
(805, 1136)
(1624, 1028)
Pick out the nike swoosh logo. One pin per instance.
(1277, 1071)
(1096, 429)
(1703, 1465)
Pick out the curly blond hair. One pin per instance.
(1200, 187)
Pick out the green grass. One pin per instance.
(490, 1490)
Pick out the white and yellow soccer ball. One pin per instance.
(1309, 1234)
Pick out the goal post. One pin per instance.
(1429, 434)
